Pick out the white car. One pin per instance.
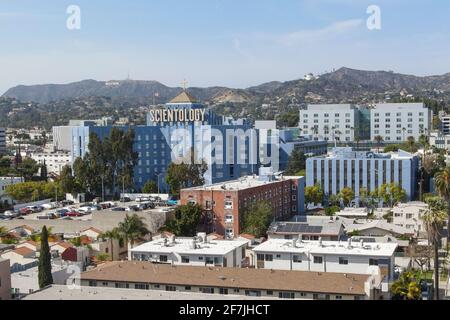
(12, 214)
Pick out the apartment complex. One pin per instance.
(224, 203)
(54, 161)
(330, 122)
(2, 141)
(395, 122)
(197, 251)
(345, 168)
(326, 256)
(409, 216)
(235, 281)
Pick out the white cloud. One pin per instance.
(336, 28)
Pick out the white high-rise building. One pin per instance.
(330, 121)
(345, 168)
(395, 122)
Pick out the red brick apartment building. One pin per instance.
(224, 201)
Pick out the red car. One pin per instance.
(73, 214)
(25, 211)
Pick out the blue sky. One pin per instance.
(237, 43)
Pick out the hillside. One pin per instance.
(52, 104)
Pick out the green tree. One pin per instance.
(256, 218)
(33, 191)
(442, 182)
(188, 173)
(346, 195)
(112, 235)
(379, 140)
(45, 267)
(296, 162)
(131, 229)
(67, 181)
(102, 257)
(314, 194)
(434, 220)
(185, 221)
(43, 173)
(150, 187)
(406, 287)
(28, 168)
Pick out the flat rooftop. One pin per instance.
(317, 226)
(184, 246)
(242, 278)
(348, 153)
(242, 183)
(329, 107)
(60, 292)
(327, 247)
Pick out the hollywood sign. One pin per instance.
(177, 115)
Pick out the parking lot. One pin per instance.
(84, 211)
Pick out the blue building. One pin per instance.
(230, 147)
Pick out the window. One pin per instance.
(269, 257)
(338, 297)
(318, 259)
(184, 259)
(206, 290)
(92, 283)
(343, 260)
(286, 295)
(296, 259)
(187, 288)
(163, 258)
(269, 292)
(141, 286)
(229, 219)
(171, 288)
(373, 262)
(223, 291)
(228, 204)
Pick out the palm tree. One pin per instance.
(442, 184)
(434, 219)
(379, 140)
(410, 141)
(112, 235)
(132, 228)
(404, 130)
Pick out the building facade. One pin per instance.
(234, 281)
(229, 148)
(409, 216)
(395, 122)
(330, 122)
(345, 168)
(197, 251)
(54, 161)
(326, 256)
(224, 203)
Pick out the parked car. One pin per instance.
(142, 199)
(172, 202)
(25, 211)
(125, 199)
(62, 212)
(132, 208)
(73, 214)
(3, 217)
(35, 209)
(12, 214)
(118, 209)
(47, 216)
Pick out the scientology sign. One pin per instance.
(177, 115)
